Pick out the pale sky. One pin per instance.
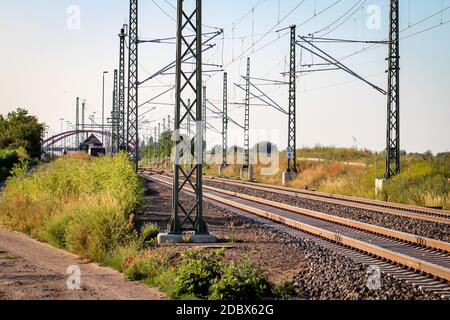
(45, 65)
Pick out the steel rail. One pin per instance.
(384, 247)
(332, 198)
(394, 234)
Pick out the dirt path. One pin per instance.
(30, 270)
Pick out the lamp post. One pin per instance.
(62, 120)
(68, 129)
(103, 106)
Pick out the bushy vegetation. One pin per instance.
(238, 281)
(19, 129)
(332, 153)
(77, 203)
(423, 182)
(8, 159)
(198, 273)
(20, 142)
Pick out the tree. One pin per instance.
(19, 129)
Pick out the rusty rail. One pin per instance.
(372, 249)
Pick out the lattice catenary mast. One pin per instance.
(114, 118)
(77, 122)
(132, 107)
(121, 91)
(84, 136)
(292, 145)
(247, 118)
(225, 119)
(185, 216)
(204, 118)
(393, 94)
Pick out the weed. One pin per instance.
(149, 233)
(240, 281)
(197, 272)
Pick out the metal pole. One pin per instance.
(121, 90)
(115, 118)
(225, 119)
(83, 120)
(68, 129)
(393, 104)
(292, 143)
(204, 119)
(77, 121)
(188, 83)
(247, 118)
(154, 145)
(103, 107)
(132, 107)
(159, 139)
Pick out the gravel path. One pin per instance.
(422, 228)
(31, 270)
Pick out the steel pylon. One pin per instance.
(84, 136)
(187, 216)
(114, 118)
(132, 107)
(292, 143)
(204, 118)
(393, 94)
(225, 119)
(77, 122)
(247, 118)
(121, 92)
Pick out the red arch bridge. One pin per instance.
(52, 142)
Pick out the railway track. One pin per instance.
(400, 254)
(406, 211)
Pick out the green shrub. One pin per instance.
(240, 281)
(422, 182)
(149, 233)
(197, 272)
(115, 258)
(8, 158)
(97, 229)
(285, 290)
(147, 266)
(56, 230)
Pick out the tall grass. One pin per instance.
(422, 182)
(424, 179)
(77, 203)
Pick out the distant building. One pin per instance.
(93, 146)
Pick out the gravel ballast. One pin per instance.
(418, 227)
(326, 274)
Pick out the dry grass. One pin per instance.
(424, 181)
